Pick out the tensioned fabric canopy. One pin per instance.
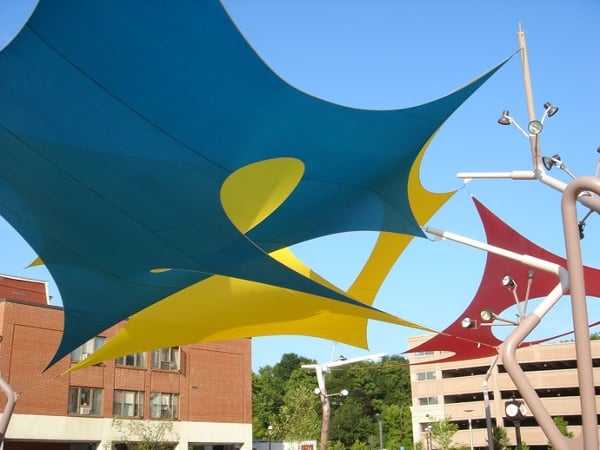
(148, 154)
(472, 343)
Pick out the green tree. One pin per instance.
(500, 438)
(562, 426)
(269, 387)
(145, 435)
(375, 388)
(297, 420)
(336, 445)
(357, 445)
(443, 431)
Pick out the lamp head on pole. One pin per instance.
(487, 315)
(550, 109)
(505, 118)
(551, 161)
(467, 322)
(509, 282)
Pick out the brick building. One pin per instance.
(203, 391)
(455, 389)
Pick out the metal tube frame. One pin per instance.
(11, 397)
(578, 190)
(325, 405)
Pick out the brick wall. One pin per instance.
(214, 384)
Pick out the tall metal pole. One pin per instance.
(518, 434)
(325, 407)
(469, 411)
(486, 403)
(534, 140)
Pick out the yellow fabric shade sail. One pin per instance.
(220, 308)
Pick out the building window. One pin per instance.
(133, 360)
(164, 406)
(424, 401)
(128, 403)
(82, 352)
(85, 401)
(426, 376)
(166, 358)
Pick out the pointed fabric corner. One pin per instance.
(133, 118)
(468, 343)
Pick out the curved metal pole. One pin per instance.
(587, 394)
(508, 352)
(8, 409)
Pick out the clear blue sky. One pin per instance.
(393, 54)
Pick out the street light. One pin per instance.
(380, 431)
(321, 390)
(469, 411)
(428, 436)
(270, 431)
(515, 411)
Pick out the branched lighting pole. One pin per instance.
(321, 390)
(577, 191)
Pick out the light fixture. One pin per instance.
(530, 274)
(344, 392)
(487, 315)
(509, 282)
(550, 109)
(317, 391)
(515, 409)
(505, 118)
(581, 223)
(467, 322)
(581, 227)
(551, 161)
(535, 127)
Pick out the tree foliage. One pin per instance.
(298, 420)
(443, 431)
(145, 435)
(562, 426)
(501, 440)
(283, 396)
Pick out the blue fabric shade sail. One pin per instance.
(120, 123)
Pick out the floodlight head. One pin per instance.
(467, 322)
(530, 274)
(509, 282)
(581, 226)
(551, 161)
(505, 118)
(344, 392)
(550, 109)
(317, 391)
(487, 315)
(342, 358)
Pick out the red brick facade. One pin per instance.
(213, 381)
